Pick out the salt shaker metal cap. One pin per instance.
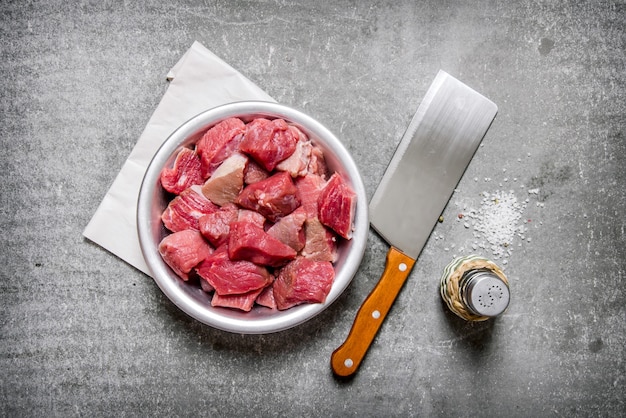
(474, 288)
(484, 293)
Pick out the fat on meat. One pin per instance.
(303, 281)
(185, 172)
(268, 141)
(274, 197)
(184, 211)
(219, 143)
(232, 277)
(317, 162)
(249, 242)
(183, 251)
(226, 182)
(336, 206)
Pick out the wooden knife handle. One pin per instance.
(346, 359)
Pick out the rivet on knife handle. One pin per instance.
(346, 359)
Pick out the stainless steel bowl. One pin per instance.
(189, 297)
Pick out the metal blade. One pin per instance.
(429, 163)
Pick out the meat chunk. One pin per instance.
(303, 281)
(298, 162)
(205, 286)
(254, 173)
(266, 298)
(273, 197)
(230, 277)
(309, 188)
(249, 242)
(320, 242)
(215, 226)
(268, 141)
(183, 250)
(317, 163)
(289, 230)
(226, 182)
(185, 173)
(244, 302)
(219, 143)
(251, 216)
(185, 209)
(336, 205)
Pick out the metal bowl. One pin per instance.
(189, 297)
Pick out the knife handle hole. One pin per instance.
(402, 267)
(348, 363)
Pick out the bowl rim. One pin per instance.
(174, 288)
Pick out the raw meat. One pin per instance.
(289, 230)
(216, 226)
(226, 182)
(259, 194)
(244, 302)
(185, 209)
(230, 277)
(336, 205)
(251, 216)
(303, 281)
(309, 188)
(254, 173)
(266, 298)
(249, 242)
(298, 162)
(321, 243)
(273, 197)
(185, 173)
(317, 163)
(183, 250)
(268, 141)
(219, 143)
(205, 286)
(298, 134)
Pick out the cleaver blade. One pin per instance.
(429, 162)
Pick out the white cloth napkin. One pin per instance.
(199, 81)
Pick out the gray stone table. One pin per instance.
(82, 333)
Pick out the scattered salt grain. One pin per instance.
(497, 220)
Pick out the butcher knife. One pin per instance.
(429, 162)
